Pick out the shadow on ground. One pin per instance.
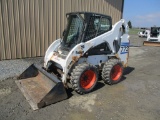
(128, 70)
(70, 91)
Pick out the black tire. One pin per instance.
(84, 78)
(112, 71)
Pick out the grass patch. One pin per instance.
(133, 31)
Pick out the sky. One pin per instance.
(142, 13)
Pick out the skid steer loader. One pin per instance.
(90, 44)
(153, 38)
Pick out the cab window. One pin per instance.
(97, 25)
(105, 25)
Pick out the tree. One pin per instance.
(129, 24)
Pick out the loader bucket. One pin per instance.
(40, 88)
(151, 43)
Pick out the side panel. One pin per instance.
(50, 51)
(97, 59)
(123, 52)
(94, 60)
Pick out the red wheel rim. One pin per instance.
(87, 79)
(116, 72)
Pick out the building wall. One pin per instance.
(28, 27)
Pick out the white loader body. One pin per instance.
(116, 34)
(144, 33)
(153, 38)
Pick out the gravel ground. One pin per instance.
(137, 97)
(13, 68)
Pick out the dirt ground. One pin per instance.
(137, 97)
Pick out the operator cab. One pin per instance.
(155, 31)
(84, 26)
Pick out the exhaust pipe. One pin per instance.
(40, 88)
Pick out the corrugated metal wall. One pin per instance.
(28, 27)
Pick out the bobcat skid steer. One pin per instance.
(90, 44)
(153, 38)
